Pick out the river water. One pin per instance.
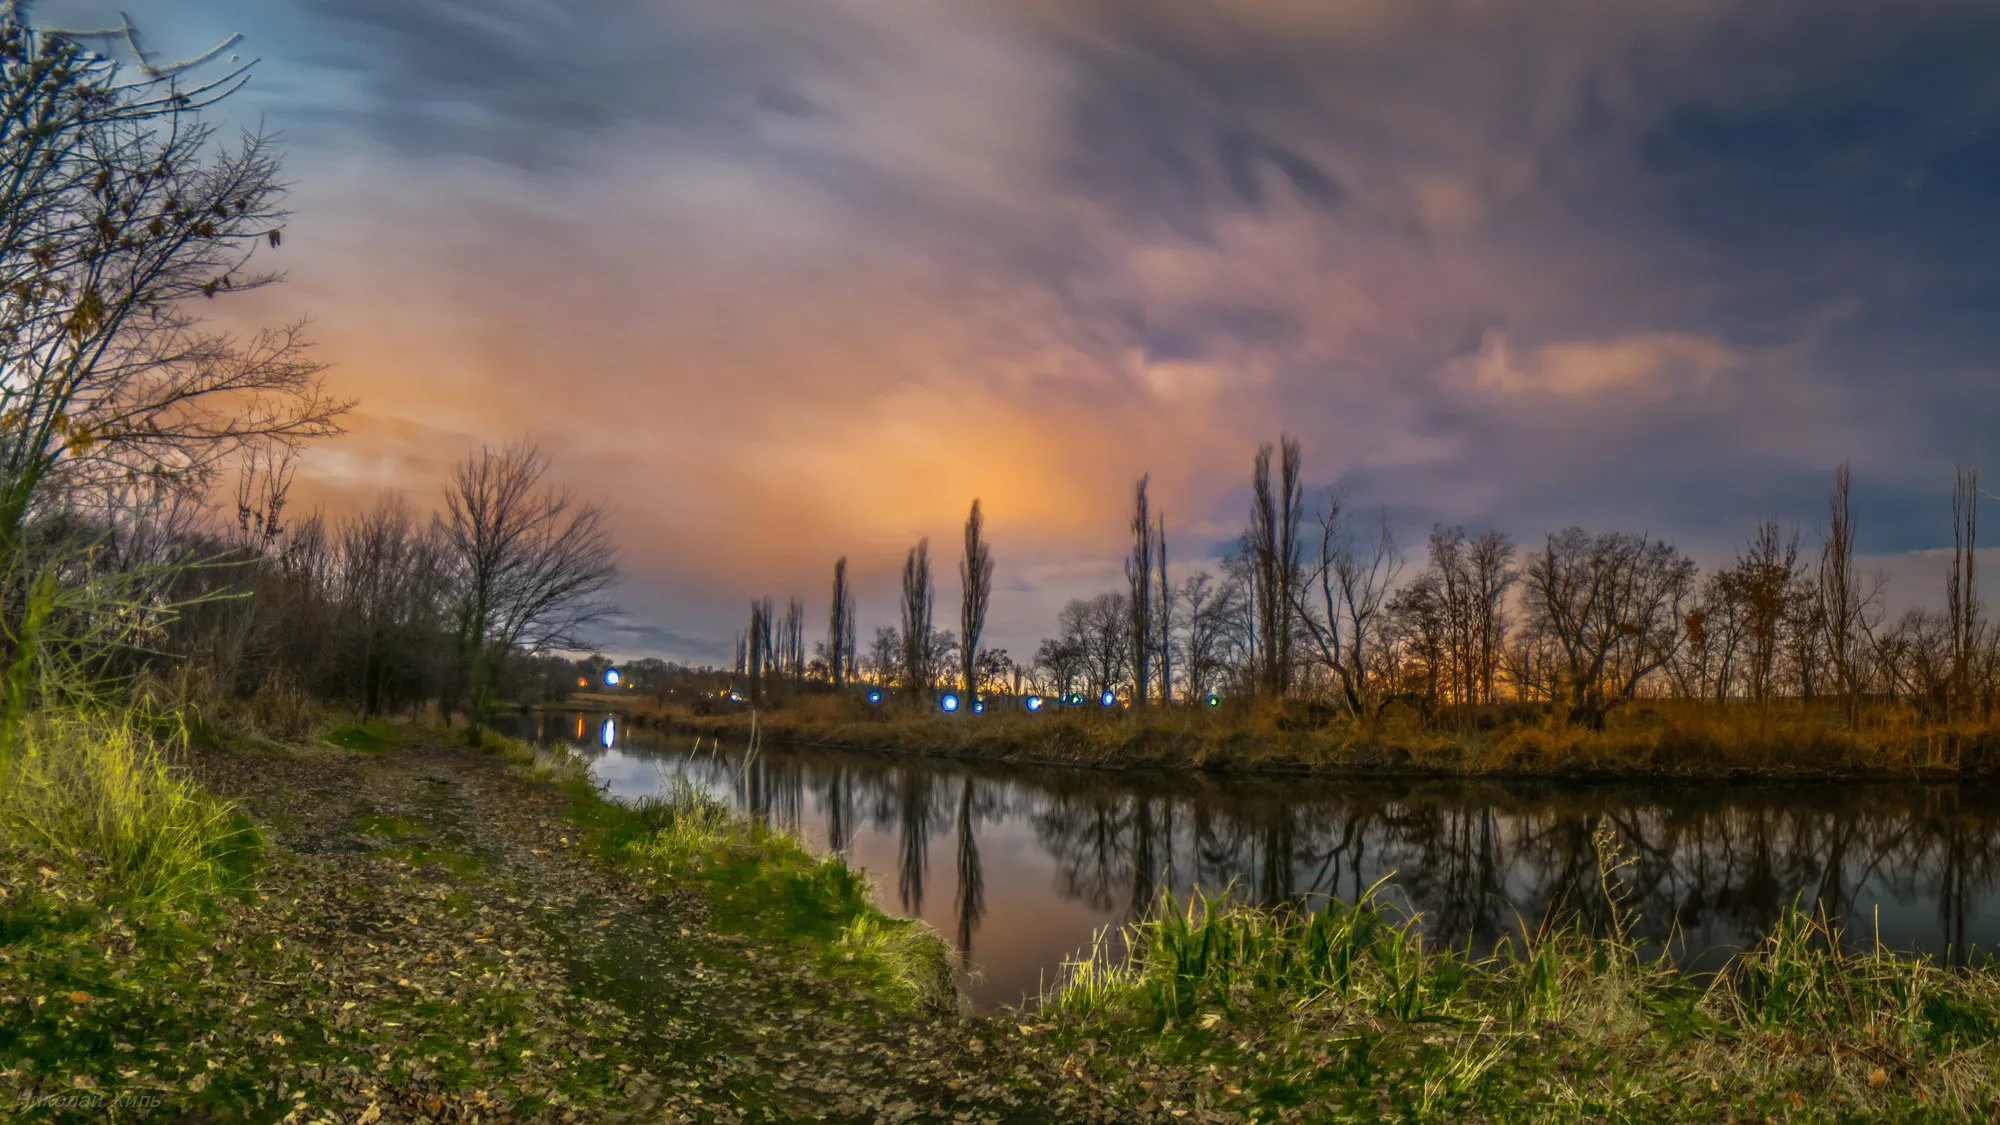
(1020, 867)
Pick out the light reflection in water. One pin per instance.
(1040, 859)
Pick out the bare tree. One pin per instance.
(1208, 608)
(1961, 592)
(1341, 597)
(755, 660)
(918, 599)
(530, 563)
(1139, 576)
(1165, 631)
(840, 628)
(1613, 606)
(1107, 638)
(885, 654)
(1707, 666)
(1456, 610)
(1844, 608)
(795, 643)
(1761, 583)
(975, 573)
(1060, 660)
(391, 589)
(117, 208)
(1489, 562)
(1271, 545)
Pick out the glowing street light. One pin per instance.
(979, 706)
(949, 702)
(1034, 703)
(611, 677)
(874, 695)
(1110, 699)
(1215, 701)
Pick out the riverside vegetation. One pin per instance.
(1665, 738)
(384, 925)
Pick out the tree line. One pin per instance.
(1315, 605)
(123, 413)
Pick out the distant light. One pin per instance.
(874, 695)
(611, 677)
(949, 702)
(1110, 699)
(1034, 703)
(1215, 701)
(582, 682)
(979, 706)
(735, 697)
(609, 735)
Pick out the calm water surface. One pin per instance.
(1019, 867)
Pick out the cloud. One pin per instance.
(1652, 363)
(793, 280)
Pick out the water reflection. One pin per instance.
(1041, 858)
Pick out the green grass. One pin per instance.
(771, 884)
(1347, 1011)
(369, 736)
(95, 792)
(389, 827)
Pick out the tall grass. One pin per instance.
(96, 789)
(1217, 954)
(1574, 1012)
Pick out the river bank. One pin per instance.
(433, 933)
(1659, 743)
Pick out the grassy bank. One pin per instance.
(1345, 1014)
(753, 879)
(375, 955)
(1665, 739)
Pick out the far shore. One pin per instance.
(1651, 744)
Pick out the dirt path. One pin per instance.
(432, 943)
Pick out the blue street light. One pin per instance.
(1110, 699)
(979, 706)
(611, 677)
(1215, 701)
(874, 695)
(1034, 703)
(949, 702)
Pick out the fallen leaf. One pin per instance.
(1878, 1078)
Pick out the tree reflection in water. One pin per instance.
(1713, 865)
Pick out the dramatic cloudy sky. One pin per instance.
(788, 279)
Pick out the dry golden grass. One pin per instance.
(1653, 737)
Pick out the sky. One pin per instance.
(785, 280)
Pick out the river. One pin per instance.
(1020, 867)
